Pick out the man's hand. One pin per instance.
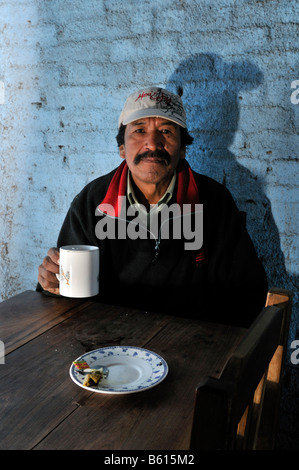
(47, 272)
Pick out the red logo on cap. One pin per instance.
(155, 96)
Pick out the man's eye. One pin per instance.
(165, 131)
(138, 131)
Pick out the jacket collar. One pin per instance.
(187, 191)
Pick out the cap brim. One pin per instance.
(151, 113)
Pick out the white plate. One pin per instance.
(131, 369)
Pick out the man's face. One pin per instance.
(152, 149)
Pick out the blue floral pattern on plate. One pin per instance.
(131, 369)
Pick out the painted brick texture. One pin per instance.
(66, 69)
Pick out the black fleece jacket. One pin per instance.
(209, 284)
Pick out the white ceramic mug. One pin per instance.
(79, 267)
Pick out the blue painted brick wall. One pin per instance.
(66, 69)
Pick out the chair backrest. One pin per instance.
(232, 411)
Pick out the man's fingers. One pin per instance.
(51, 261)
(47, 272)
(53, 254)
(48, 285)
(49, 265)
(46, 277)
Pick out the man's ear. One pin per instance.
(122, 151)
(182, 153)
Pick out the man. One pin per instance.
(200, 266)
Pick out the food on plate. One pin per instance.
(81, 365)
(93, 378)
(93, 375)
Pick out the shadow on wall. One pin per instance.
(212, 90)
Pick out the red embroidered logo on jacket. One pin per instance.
(199, 257)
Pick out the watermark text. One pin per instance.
(2, 352)
(295, 353)
(134, 222)
(295, 93)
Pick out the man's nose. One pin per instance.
(154, 140)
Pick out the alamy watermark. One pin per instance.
(133, 222)
(295, 353)
(295, 93)
(2, 352)
(295, 344)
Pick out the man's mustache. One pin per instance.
(162, 155)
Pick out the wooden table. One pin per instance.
(42, 408)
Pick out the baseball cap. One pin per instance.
(153, 102)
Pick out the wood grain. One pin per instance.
(29, 314)
(41, 408)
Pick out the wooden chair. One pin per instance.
(239, 410)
